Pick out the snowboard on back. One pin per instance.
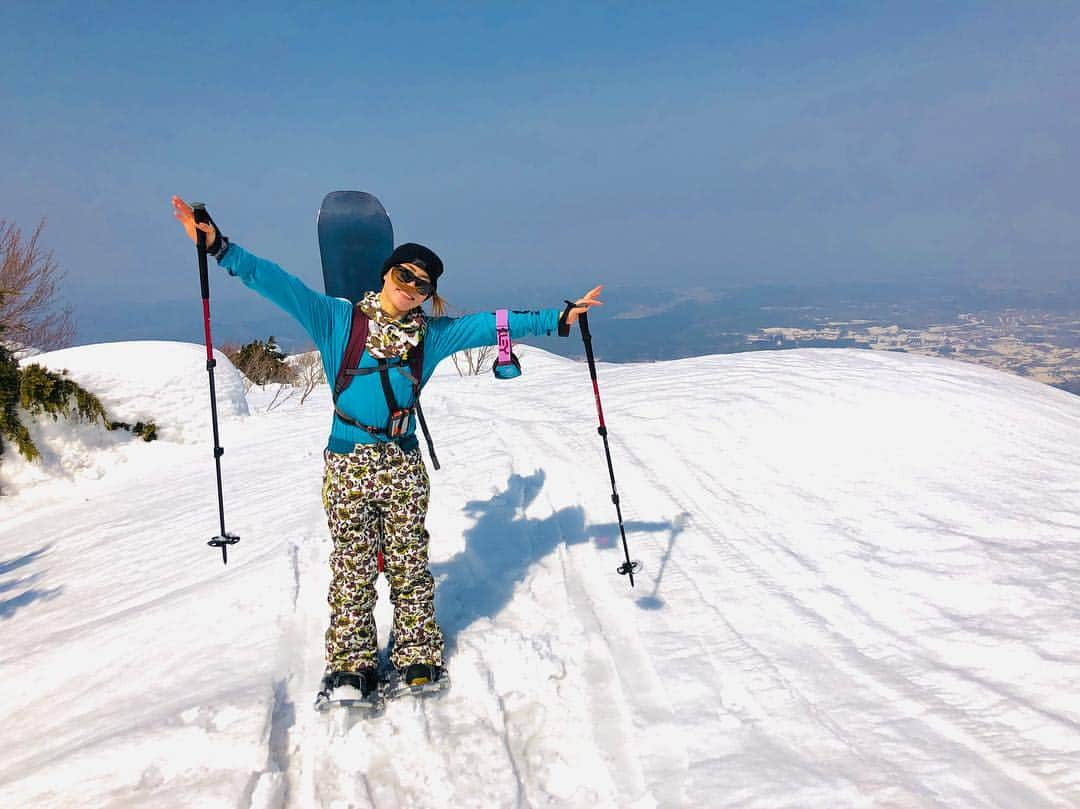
(355, 238)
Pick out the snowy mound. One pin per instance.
(858, 590)
(162, 382)
(159, 381)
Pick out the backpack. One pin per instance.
(400, 417)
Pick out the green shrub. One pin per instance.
(11, 428)
(146, 430)
(43, 392)
(261, 361)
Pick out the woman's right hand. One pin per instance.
(183, 212)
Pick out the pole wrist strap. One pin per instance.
(564, 327)
(502, 329)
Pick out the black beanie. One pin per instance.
(422, 257)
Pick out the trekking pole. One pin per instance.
(627, 568)
(224, 539)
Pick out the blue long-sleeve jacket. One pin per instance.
(328, 321)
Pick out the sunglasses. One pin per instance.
(404, 276)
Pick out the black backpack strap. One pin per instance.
(388, 392)
(427, 435)
(416, 367)
(345, 417)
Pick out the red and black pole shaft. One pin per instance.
(224, 539)
(627, 568)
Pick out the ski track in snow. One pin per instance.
(858, 590)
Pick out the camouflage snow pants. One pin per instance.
(378, 494)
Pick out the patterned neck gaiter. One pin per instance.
(387, 337)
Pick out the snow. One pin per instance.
(857, 590)
(159, 381)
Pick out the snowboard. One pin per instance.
(355, 238)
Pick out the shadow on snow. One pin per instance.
(10, 605)
(652, 601)
(479, 581)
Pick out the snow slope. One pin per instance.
(147, 380)
(858, 590)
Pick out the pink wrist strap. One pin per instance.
(502, 326)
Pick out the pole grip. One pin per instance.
(583, 323)
(202, 217)
(586, 338)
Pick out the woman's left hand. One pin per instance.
(183, 212)
(584, 304)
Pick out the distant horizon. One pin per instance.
(632, 313)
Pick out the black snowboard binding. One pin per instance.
(350, 689)
(418, 680)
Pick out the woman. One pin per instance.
(375, 486)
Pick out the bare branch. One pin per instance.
(308, 372)
(471, 361)
(283, 393)
(29, 275)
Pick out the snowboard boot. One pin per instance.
(365, 681)
(357, 690)
(421, 674)
(417, 680)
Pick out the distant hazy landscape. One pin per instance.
(1032, 333)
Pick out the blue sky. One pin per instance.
(551, 145)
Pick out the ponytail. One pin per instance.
(438, 305)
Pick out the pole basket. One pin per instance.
(223, 541)
(629, 568)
